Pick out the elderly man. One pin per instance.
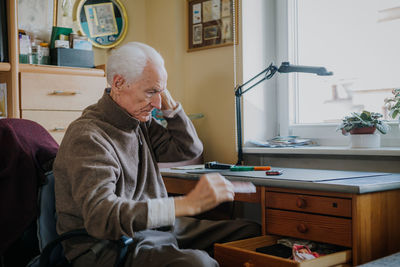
(107, 180)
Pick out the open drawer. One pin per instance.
(243, 253)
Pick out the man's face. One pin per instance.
(141, 97)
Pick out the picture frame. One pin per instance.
(211, 23)
(104, 22)
(63, 11)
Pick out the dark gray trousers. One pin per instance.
(184, 245)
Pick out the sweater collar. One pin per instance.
(114, 114)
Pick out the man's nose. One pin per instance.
(156, 101)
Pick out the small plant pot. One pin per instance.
(365, 141)
(364, 130)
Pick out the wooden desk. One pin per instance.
(362, 213)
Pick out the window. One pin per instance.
(358, 40)
(349, 38)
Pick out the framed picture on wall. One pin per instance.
(211, 23)
(104, 22)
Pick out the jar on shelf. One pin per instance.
(25, 48)
(35, 47)
(44, 54)
(34, 54)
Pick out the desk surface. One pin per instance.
(312, 179)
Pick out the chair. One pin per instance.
(49, 241)
(26, 156)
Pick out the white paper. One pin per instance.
(197, 13)
(243, 187)
(226, 8)
(189, 167)
(211, 10)
(197, 34)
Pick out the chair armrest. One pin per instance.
(45, 257)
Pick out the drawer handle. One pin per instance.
(301, 203)
(58, 129)
(248, 264)
(60, 92)
(302, 228)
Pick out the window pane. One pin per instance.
(348, 38)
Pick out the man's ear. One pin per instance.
(118, 82)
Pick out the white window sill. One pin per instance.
(326, 150)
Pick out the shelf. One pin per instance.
(60, 70)
(326, 150)
(4, 66)
(195, 116)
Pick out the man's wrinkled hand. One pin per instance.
(167, 102)
(211, 190)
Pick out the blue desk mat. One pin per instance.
(307, 175)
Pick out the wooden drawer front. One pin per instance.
(319, 228)
(242, 254)
(59, 92)
(308, 203)
(56, 122)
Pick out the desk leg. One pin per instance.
(376, 220)
(263, 220)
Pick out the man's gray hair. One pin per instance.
(130, 59)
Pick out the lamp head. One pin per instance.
(286, 68)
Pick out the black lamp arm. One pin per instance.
(268, 73)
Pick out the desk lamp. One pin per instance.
(267, 74)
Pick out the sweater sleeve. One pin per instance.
(87, 170)
(177, 142)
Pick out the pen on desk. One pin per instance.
(250, 168)
(262, 168)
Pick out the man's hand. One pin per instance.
(210, 191)
(167, 102)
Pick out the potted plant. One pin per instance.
(393, 104)
(362, 127)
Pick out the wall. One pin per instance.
(202, 81)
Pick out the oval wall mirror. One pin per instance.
(104, 22)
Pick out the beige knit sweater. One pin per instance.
(106, 171)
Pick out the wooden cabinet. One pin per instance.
(54, 97)
(317, 216)
(367, 224)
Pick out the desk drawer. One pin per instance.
(55, 122)
(243, 253)
(309, 203)
(319, 228)
(59, 92)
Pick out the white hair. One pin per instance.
(130, 59)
